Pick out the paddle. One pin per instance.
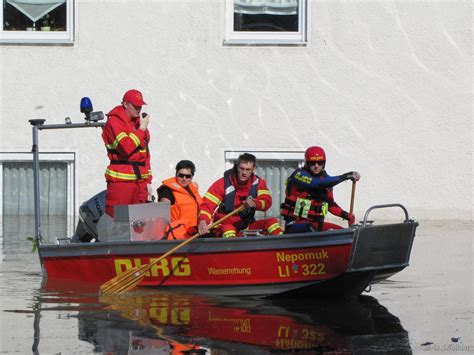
(132, 277)
(351, 208)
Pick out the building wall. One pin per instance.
(384, 86)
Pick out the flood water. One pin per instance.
(427, 308)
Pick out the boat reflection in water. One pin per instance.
(168, 321)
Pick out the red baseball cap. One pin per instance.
(135, 97)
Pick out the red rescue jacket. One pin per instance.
(216, 195)
(127, 148)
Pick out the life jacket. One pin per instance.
(303, 204)
(177, 230)
(179, 349)
(137, 164)
(228, 205)
(184, 211)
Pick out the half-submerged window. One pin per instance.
(56, 182)
(37, 21)
(266, 21)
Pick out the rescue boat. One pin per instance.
(337, 262)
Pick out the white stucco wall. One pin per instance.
(384, 86)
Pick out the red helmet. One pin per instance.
(315, 154)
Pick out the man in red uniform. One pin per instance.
(126, 138)
(239, 186)
(309, 196)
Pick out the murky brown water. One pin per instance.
(428, 307)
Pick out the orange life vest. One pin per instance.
(177, 348)
(184, 212)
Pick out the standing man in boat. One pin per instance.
(183, 195)
(126, 138)
(309, 196)
(238, 186)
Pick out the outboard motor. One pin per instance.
(89, 215)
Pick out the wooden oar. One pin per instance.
(131, 278)
(351, 208)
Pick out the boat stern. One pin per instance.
(384, 249)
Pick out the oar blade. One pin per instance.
(130, 285)
(131, 277)
(119, 279)
(123, 287)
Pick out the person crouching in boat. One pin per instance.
(183, 195)
(126, 138)
(309, 196)
(239, 186)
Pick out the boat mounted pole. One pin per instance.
(35, 151)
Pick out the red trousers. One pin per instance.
(269, 226)
(124, 193)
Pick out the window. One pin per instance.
(56, 184)
(37, 21)
(274, 168)
(266, 21)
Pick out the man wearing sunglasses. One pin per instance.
(126, 138)
(309, 196)
(183, 195)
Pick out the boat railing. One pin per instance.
(389, 205)
(383, 247)
(91, 118)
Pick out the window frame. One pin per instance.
(299, 38)
(42, 37)
(283, 155)
(65, 157)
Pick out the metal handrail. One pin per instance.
(407, 218)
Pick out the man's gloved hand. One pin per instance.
(348, 217)
(249, 202)
(352, 175)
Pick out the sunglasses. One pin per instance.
(320, 163)
(185, 176)
(137, 108)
